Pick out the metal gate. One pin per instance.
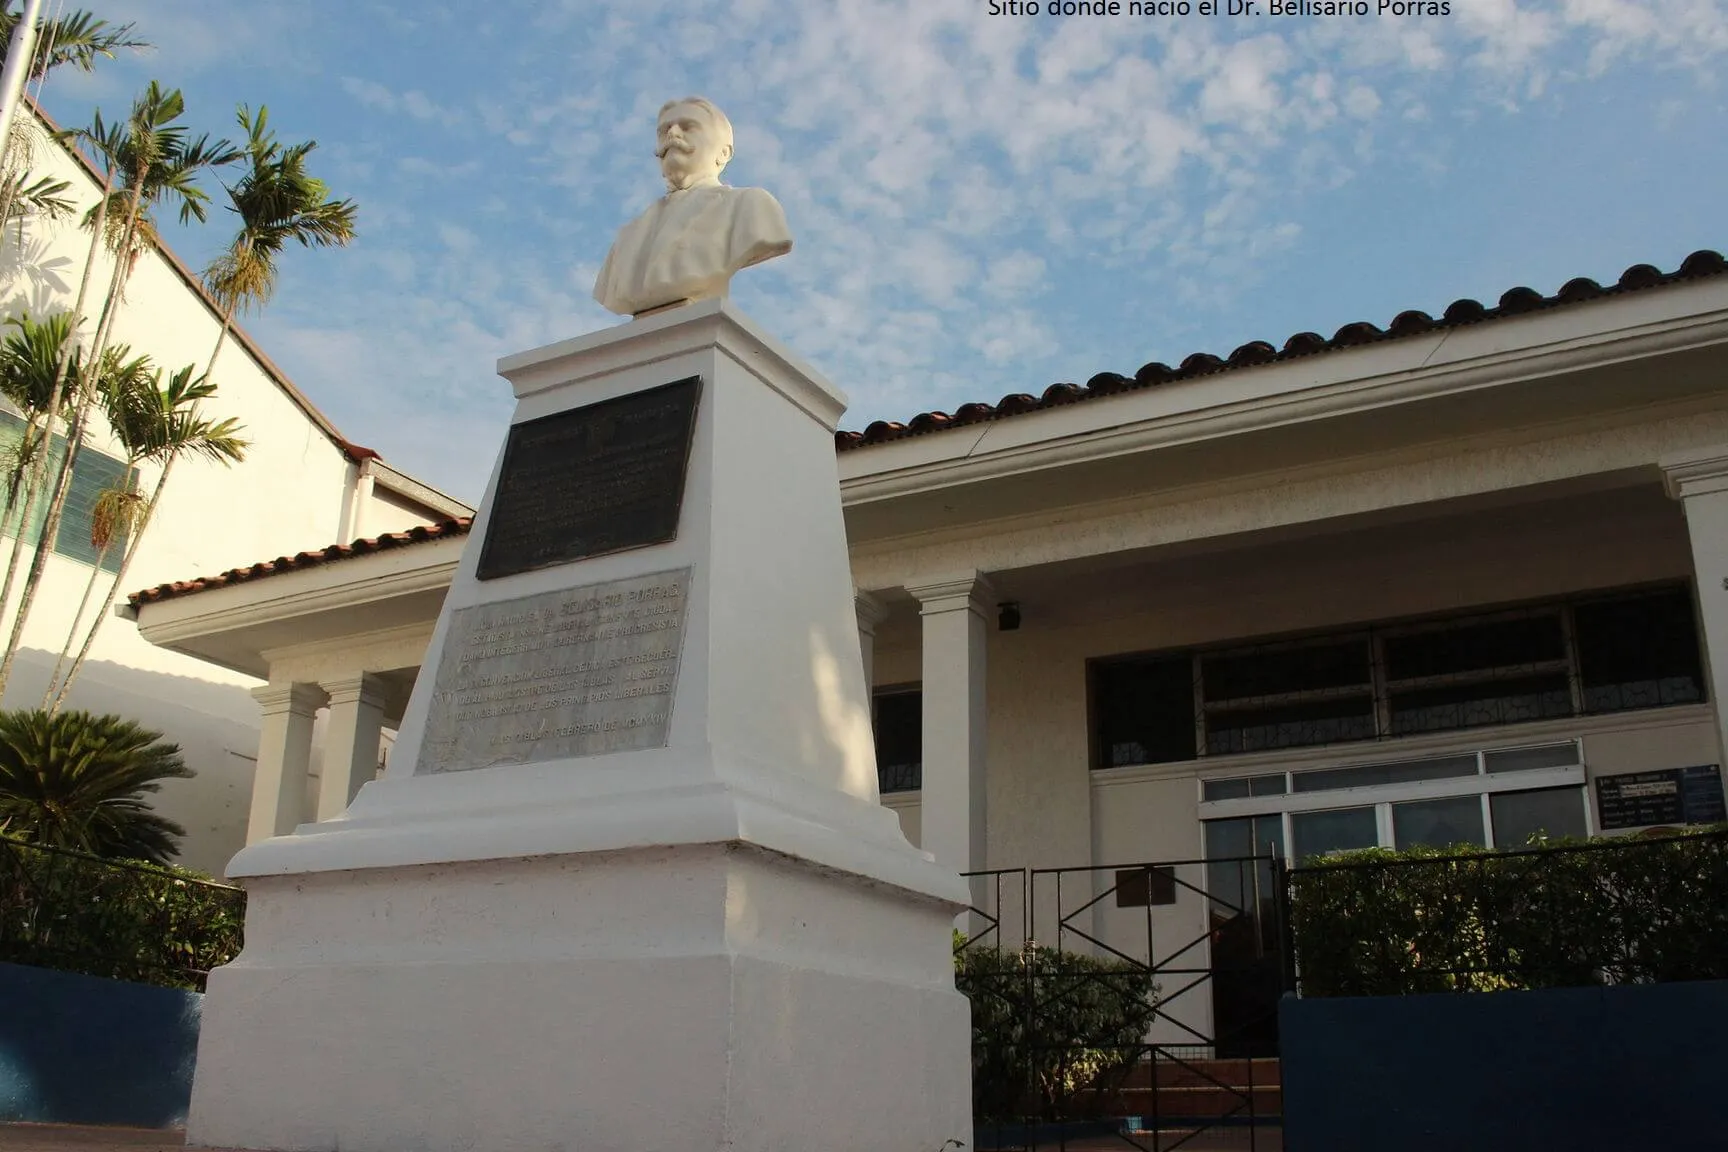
(1131, 1006)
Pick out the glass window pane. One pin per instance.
(1369, 775)
(1237, 789)
(1520, 815)
(1290, 725)
(1529, 759)
(1438, 823)
(1273, 671)
(1475, 646)
(1639, 652)
(1271, 785)
(93, 475)
(1145, 711)
(900, 741)
(1484, 702)
(1341, 830)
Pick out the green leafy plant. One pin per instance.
(1050, 1028)
(81, 781)
(1563, 914)
(124, 920)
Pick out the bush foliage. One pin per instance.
(1567, 914)
(1050, 1026)
(82, 781)
(151, 923)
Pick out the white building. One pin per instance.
(301, 485)
(1448, 581)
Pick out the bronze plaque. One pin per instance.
(594, 480)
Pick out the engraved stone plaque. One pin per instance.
(576, 672)
(602, 478)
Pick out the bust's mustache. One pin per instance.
(673, 146)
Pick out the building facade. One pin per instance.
(1460, 580)
(301, 485)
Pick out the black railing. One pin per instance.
(1132, 1004)
(1620, 911)
(125, 921)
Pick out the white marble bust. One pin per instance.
(691, 242)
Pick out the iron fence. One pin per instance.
(80, 913)
(1128, 1006)
(1619, 911)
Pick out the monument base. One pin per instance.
(686, 998)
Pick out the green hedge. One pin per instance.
(1567, 914)
(150, 923)
(1050, 1028)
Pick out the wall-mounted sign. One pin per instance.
(1674, 796)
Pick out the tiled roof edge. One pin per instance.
(1514, 302)
(303, 560)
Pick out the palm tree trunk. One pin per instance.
(39, 467)
(74, 440)
(221, 336)
(126, 557)
(50, 693)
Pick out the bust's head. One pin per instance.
(693, 142)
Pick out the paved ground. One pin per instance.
(72, 1138)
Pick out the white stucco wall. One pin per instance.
(289, 495)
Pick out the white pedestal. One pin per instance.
(720, 943)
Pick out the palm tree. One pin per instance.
(76, 780)
(148, 159)
(28, 358)
(277, 202)
(157, 425)
(76, 38)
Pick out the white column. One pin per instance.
(1700, 482)
(284, 754)
(871, 612)
(956, 614)
(350, 740)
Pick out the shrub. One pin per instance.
(1049, 1026)
(1567, 914)
(77, 780)
(123, 920)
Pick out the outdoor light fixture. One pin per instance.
(1008, 616)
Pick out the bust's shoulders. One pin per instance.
(745, 195)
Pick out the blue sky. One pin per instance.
(981, 204)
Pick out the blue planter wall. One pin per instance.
(82, 1050)
(1569, 1068)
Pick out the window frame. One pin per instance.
(876, 694)
(12, 424)
(1381, 688)
(1381, 797)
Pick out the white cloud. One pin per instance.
(951, 178)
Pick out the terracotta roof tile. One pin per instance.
(302, 560)
(1514, 302)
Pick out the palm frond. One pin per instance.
(39, 198)
(77, 38)
(78, 780)
(278, 202)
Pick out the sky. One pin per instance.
(982, 204)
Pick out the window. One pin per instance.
(93, 473)
(1146, 711)
(1639, 652)
(1581, 657)
(899, 723)
(1497, 797)
(1287, 696)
